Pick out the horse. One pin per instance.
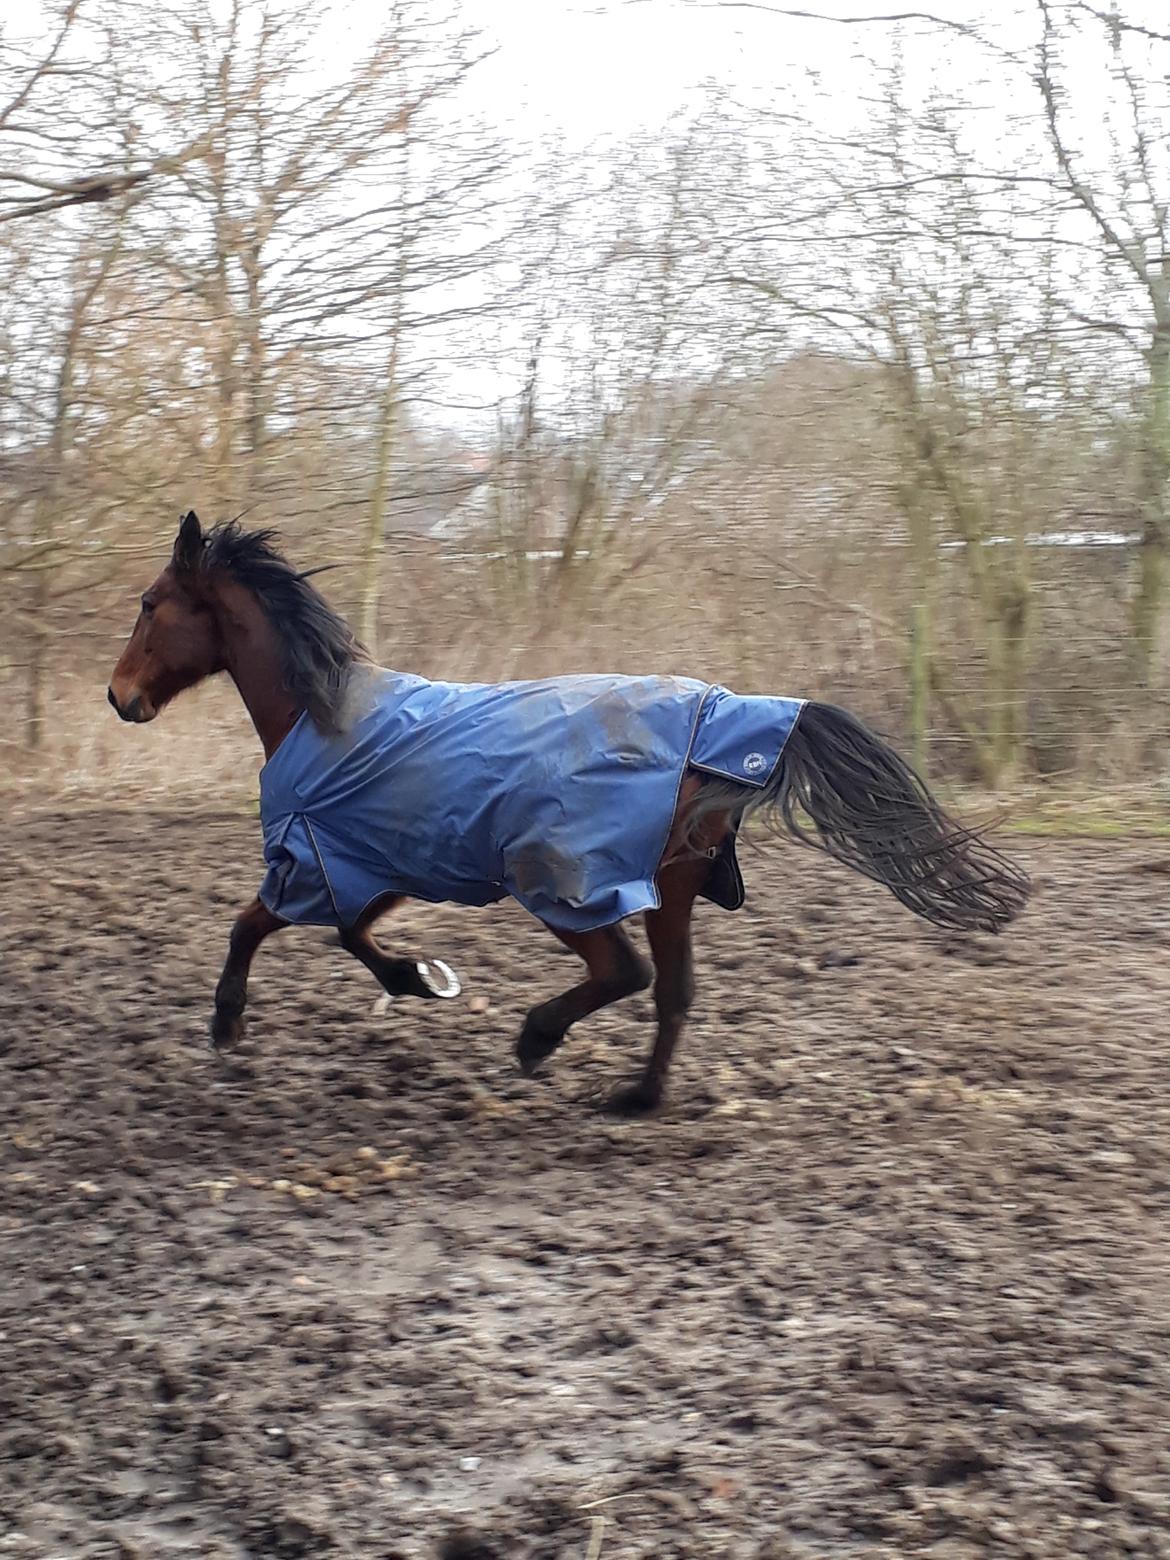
(589, 800)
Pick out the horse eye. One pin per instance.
(147, 607)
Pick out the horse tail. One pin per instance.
(842, 790)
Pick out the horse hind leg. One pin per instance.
(668, 929)
(616, 970)
(669, 932)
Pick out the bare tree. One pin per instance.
(61, 143)
(899, 249)
(629, 347)
(327, 223)
(1124, 192)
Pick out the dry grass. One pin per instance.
(201, 752)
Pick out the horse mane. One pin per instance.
(318, 647)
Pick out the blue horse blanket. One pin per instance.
(560, 793)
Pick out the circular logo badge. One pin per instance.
(754, 764)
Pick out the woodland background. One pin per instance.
(862, 394)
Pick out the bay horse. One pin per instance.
(587, 799)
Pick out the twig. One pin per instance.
(594, 1550)
(607, 1500)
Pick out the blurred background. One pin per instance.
(815, 353)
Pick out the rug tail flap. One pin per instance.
(741, 737)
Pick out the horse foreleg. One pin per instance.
(400, 977)
(251, 927)
(616, 970)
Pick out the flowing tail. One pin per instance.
(842, 790)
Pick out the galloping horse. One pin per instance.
(588, 799)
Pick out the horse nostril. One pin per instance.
(128, 712)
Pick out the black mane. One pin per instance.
(318, 647)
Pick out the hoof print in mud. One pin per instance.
(466, 1544)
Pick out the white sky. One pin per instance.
(614, 69)
(616, 66)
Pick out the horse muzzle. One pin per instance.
(137, 710)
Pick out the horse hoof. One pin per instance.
(227, 1029)
(636, 1099)
(534, 1046)
(444, 983)
(530, 1055)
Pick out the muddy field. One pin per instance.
(889, 1276)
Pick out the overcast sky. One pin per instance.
(590, 68)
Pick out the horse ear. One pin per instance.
(188, 543)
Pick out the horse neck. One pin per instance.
(252, 658)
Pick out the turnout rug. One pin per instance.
(560, 793)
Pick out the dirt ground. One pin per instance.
(888, 1277)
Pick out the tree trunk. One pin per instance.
(1154, 500)
(256, 419)
(1007, 664)
(34, 710)
(374, 545)
(389, 411)
(922, 550)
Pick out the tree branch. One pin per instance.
(1129, 253)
